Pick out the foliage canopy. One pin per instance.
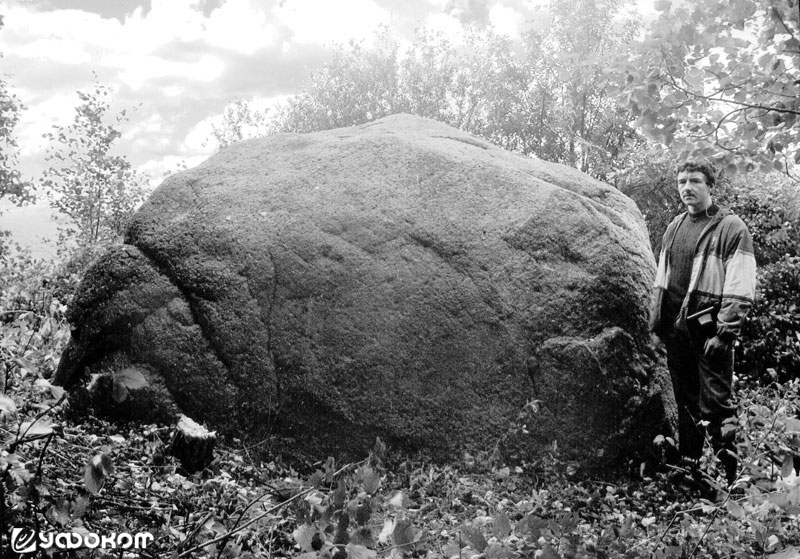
(546, 97)
(720, 78)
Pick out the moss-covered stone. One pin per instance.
(400, 279)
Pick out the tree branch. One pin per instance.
(777, 14)
(713, 98)
(721, 121)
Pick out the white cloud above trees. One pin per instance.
(181, 62)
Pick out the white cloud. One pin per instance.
(39, 118)
(143, 131)
(506, 20)
(240, 26)
(317, 22)
(137, 70)
(173, 90)
(159, 169)
(166, 21)
(199, 139)
(447, 25)
(56, 49)
(63, 36)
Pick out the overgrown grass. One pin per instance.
(94, 477)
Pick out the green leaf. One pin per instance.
(40, 428)
(126, 380)
(360, 509)
(728, 430)
(315, 480)
(329, 469)
(120, 392)
(496, 550)
(398, 501)
(97, 469)
(501, 526)
(304, 536)
(735, 509)
(555, 528)
(56, 392)
(531, 525)
(132, 378)
(474, 538)
(339, 496)
(790, 552)
(549, 553)
(404, 532)
(627, 527)
(451, 549)
(370, 479)
(787, 467)
(216, 527)
(79, 506)
(662, 5)
(8, 409)
(379, 450)
(362, 536)
(502, 473)
(25, 364)
(60, 513)
(360, 552)
(389, 525)
(781, 500)
(792, 424)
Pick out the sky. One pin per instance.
(175, 65)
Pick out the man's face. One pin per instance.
(694, 191)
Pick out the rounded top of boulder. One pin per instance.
(404, 135)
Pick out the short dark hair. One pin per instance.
(701, 166)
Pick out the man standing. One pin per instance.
(704, 288)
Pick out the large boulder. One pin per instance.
(401, 279)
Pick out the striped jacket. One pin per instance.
(723, 275)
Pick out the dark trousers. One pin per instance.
(703, 393)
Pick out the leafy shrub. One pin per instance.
(770, 342)
(650, 182)
(775, 235)
(770, 206)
